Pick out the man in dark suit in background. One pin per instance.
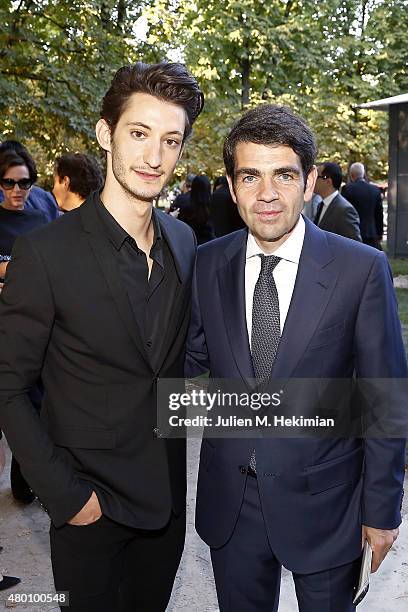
(223, 210)
(97, 304)
(286, 300)
(76, 176)
(182, 201)
(367, 201)
(334, 213)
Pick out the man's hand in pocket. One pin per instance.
(89, 514)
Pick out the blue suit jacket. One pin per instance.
(315, 493)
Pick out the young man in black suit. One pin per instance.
(98, 305)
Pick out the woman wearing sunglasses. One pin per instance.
(17, 175)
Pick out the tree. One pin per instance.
(56, 61)
(323, 59)
(241, 52)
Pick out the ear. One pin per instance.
(231, 188)
(103, 135)
(66, 182)
(310, 183)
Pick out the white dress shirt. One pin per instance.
(326, 201)
(284, 274)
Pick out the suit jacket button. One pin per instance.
(242, 469)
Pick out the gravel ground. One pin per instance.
(24, 536)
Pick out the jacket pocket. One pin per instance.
(324, 476)
(73, 437)
(327, 335)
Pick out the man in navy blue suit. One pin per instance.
(284, 299)
(367, 200)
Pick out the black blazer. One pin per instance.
(367, 201)
(341, 218)
(64, 315)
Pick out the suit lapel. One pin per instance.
(103, 254)
(183, 260)
(231, 282)
(314, 286)
(330, 212)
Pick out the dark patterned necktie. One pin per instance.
(319, 212)
(265, 336)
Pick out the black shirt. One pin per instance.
(151, 298)
(14, 223)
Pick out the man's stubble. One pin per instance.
(119, 172)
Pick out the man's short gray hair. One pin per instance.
(357, 170)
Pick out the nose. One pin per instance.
(267, 191)
(17, 189)
(152, 153)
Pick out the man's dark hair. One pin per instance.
(9, 159)
(221, 182)
(189, 180)
(168, 81)
(83, 172)
(270, 125)
(332, 171)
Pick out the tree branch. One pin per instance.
(289, 6)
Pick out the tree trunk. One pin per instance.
(245, 72)
(121, 12)
(105, 16)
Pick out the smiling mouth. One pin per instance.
(147, 176)
(269, 214)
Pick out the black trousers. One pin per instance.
(248, 575)
(108, 567)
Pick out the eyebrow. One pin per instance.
(147, 127)
(276, 171)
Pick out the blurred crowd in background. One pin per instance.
(354, 211)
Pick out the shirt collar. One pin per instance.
(115, 232)
(328, 199)
(290, 250)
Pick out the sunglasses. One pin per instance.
(7, 183)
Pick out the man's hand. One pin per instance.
(3, 268)
(90, 513)
(380, 541)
